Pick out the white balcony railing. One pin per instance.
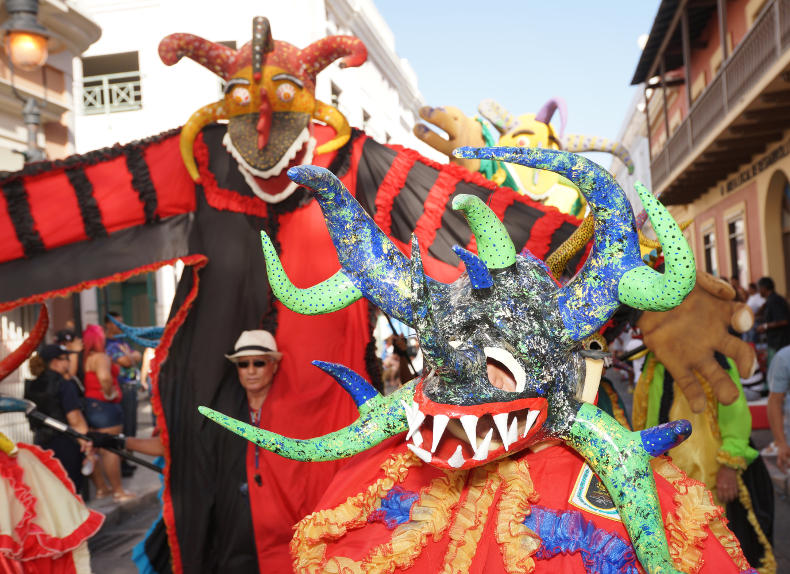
(111, 93)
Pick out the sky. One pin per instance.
(522, 53)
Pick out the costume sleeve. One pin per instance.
(778, 375)
(113, 350)
(735, 426)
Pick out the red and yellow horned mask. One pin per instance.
(269, 100)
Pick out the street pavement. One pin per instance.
(126, 523)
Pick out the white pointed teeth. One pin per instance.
(420, 453)
(512, 364)
(416, 438)
(512, 433)
(457, 460)
(481, 453)
(469, 422)
(500, 421)
(531, 417)
(439, 424)
(413, 416)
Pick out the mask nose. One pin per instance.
(264, 125)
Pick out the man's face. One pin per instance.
(763, 291)
(111, 329)
(256, 372)
(60, 364)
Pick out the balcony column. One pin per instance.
(647, 123)
(684, 34)
(721, 7)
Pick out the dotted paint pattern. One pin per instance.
(336, 292)
(380, 418)
(618, 457)
(590, 298)
(285, 128)
(493, 242)
(645, 288)
(369, 259)
(475, 268)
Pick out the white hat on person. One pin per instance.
(251, 343)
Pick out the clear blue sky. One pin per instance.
(522, 53)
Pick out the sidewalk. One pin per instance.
(144, 482)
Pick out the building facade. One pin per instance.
(716, 107)
(51, 87)
(125, 92)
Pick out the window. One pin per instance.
(738, 257)
(111, 83)
(709, 245)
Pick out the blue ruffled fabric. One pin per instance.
(395, 507)
(569, 533)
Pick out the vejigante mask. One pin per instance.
(502, 345)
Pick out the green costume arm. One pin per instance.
(735, 426)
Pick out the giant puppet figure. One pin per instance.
(526, 130)
(505, 372)
(202, 195)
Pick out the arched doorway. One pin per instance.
(777, 231)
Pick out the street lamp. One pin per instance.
(25, 39)
(26, 45)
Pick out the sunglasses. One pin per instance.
(245, 364)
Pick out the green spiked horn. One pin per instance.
(494, 245)
(332, 294)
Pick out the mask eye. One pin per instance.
(240, 95)
(285, 92)
(522, 141)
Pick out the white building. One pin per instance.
(127, 93)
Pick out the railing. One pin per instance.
(768, 39)
(111, 93)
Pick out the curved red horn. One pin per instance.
(215, 57)
(320, 54)
(17, 357)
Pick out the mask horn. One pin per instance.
(332, 117)
(214, 57)
(545, 113)
(196, 122)
(499, 117)
(614, 272)
(578, 144)
(11, 363)
(494, 245)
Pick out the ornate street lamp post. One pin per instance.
(25, 43)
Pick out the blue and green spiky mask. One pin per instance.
(502, 344)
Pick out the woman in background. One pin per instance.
(103, 410)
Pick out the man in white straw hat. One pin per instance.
(256, 357)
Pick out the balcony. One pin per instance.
(111, 93)
(700, 153)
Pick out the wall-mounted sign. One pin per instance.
(757, 167)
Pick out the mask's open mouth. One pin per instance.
(472, 440)
(465, 436)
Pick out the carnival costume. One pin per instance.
(505, 316)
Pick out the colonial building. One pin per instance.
(716, 78)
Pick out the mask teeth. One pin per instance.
(439, 424)
(469, 422)
(531, 417)
(420, 453)
(414, 416)
(482, 451)
(457, 460)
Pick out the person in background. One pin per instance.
(779, 385)
(73, 342)
(776, 318)
(740, 292)
(128, 361)
(58, 397)
(103, 410)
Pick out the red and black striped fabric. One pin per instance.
(104, 216)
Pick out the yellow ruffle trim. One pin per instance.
(768, 563)
(685, 526)
(431, 515)
(725, 458)
(470, 520)
(518, 543)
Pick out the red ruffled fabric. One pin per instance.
(31, 541)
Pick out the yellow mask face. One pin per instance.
(540, 185)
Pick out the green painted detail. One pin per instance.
(494, 245)
(337, 292)
(380, 418)
(617, 456)
(643, 287)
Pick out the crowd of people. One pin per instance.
(89, 381)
